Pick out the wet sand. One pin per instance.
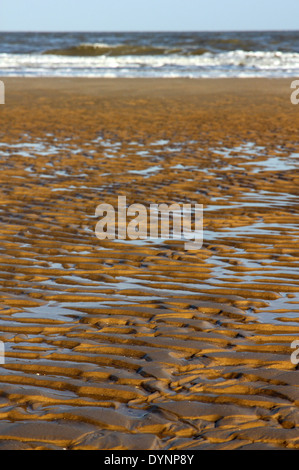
(135, 344)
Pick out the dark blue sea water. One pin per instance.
(164, 54)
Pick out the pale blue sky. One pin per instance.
(148, 15)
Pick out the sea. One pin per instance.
(150, 54)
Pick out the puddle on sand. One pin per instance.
(147, 171)
(275, 164)
(50, 312)
(27, 149)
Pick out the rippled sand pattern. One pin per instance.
(136, 344)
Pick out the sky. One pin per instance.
(148, 15)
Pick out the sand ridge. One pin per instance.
(137, 345)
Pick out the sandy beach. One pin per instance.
(140, 345)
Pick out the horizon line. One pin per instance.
(153, 31)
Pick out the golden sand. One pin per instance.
(130, 345)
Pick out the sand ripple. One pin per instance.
(133, 345)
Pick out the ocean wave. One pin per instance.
(224, 64)
(98, 49)
(90, 50)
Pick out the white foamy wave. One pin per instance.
(97, 44)
(226, 64)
